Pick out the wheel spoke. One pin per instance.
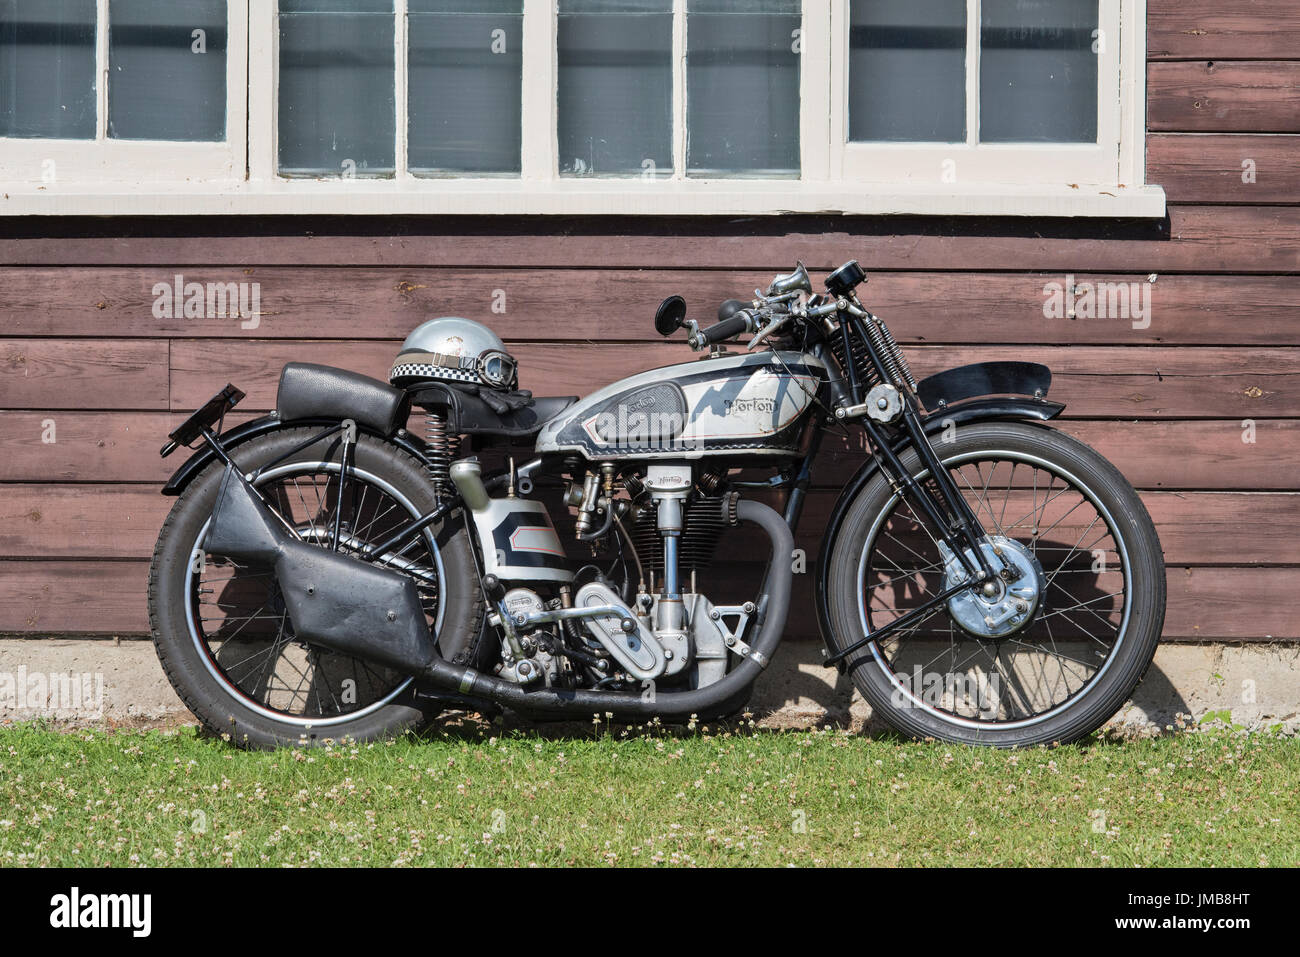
(1035, 670)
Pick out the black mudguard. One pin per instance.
(332, 599)
(232, 438)
(946, 389)
(955, 399)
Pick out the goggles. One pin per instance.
(497, 369)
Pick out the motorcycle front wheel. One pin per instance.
(1046, 654)
(220, 628)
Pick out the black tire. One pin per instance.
(1082, 710)
(193, 669)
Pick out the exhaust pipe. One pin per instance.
(719, 698)
(375, 614)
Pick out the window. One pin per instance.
(121, 91)
(337, 91)
(674, 107)
(345, 67)
(907, 71)
(47, 69)
(615, 87)
(981, 91)
(465, 87)
(742, 88)
(628, 105)
(167, 70)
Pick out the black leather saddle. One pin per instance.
(309, 391)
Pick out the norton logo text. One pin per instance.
(740, 406)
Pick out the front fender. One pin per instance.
(971, 410)
(240, 434)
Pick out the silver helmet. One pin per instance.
(454, 350)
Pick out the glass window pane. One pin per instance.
(742, 87)
(907, 71)
(465, 88)
(615, 97)
(1038, 74)
(337, 100)
(167, 69)
(47, 68)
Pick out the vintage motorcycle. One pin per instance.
(328, 574)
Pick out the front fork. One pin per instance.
(949, 511)
(940, 501)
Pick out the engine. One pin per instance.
(633, 617)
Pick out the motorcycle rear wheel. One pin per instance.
(220, 630)
(1096, 599)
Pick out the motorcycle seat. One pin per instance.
(309, 391)
(508, 414)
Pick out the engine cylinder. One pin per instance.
(701, 525)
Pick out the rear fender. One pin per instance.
(232, 438)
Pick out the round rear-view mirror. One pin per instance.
(670, 315)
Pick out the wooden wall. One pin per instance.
(79, 346)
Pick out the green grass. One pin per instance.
(622, 796)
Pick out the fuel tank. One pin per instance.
(750, 403)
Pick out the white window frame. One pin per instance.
(835, 177)
(57, 165)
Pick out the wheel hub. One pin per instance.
(1003, 605)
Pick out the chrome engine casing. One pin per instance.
(709, 652)
(640, 653)
(534, 663)
(699, 651)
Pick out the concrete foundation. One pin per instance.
(107, 681)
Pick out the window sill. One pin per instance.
(586, 197)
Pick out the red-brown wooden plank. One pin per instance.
(82, 373)
(1095, 381)
(1218, 96)
(1210, 454)
(582, 305)
(1248, 239)
(1196, 528)
(80, 521)
(1225, 168)
(90, 446)
(1220, 454)
(1212, 29)
(1205, 604)
(52, 598)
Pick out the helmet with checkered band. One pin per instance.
(452, 349)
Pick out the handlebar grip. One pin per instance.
(732, 326)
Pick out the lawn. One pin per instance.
(627, 796)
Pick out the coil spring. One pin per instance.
(862, 365)
(891, 356)
(898, 360)
(442, 449)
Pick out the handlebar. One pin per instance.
(773, 310)
(734, 325)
